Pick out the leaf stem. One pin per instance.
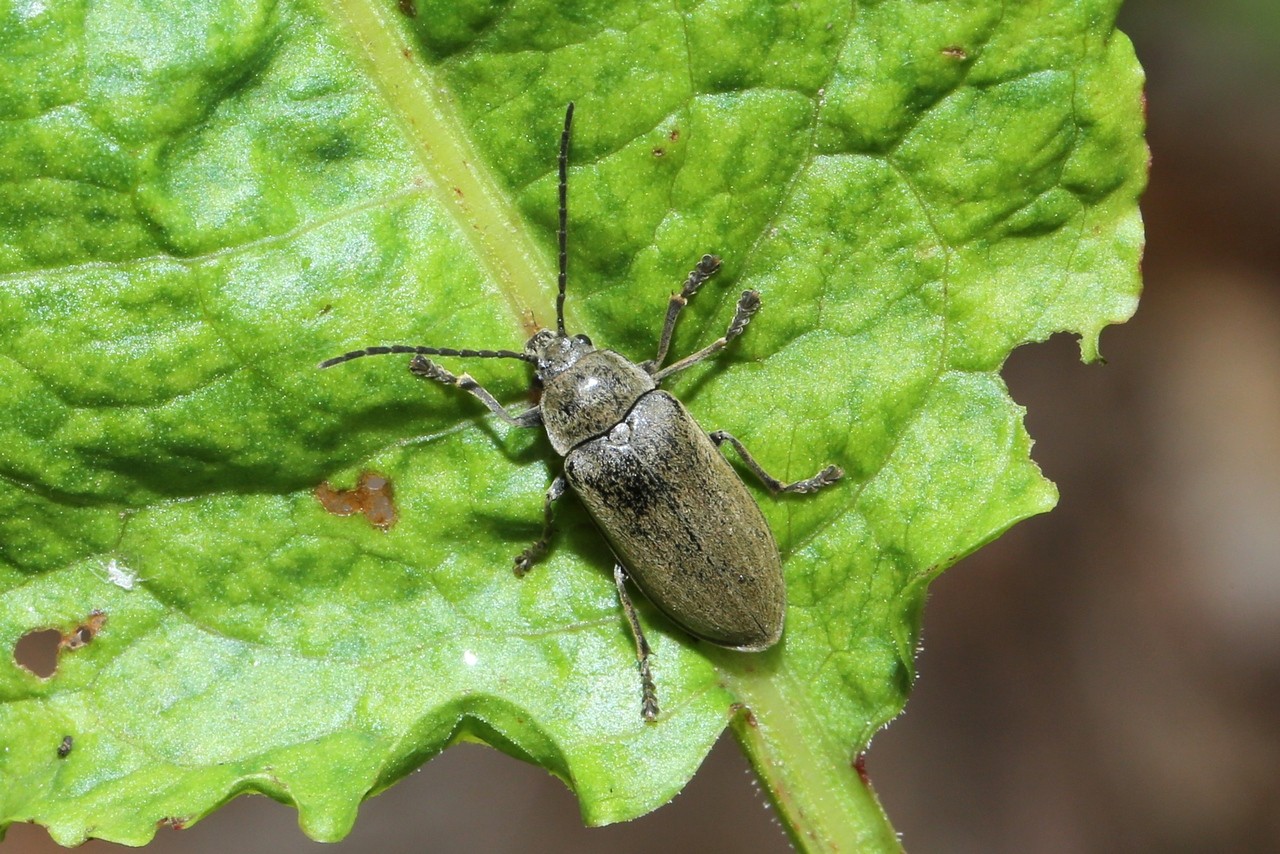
(822, 800)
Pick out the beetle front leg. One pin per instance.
(421, 366)
(826, 477)
(707, 267)
(527, 558)
(748, 305)
(649, 694)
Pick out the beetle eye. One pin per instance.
(582, 339)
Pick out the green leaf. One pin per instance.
(199, 202)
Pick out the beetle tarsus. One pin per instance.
(826, 477)
(421, 366)
(648, 705)
(527, 558)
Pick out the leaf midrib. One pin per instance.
(452, 167)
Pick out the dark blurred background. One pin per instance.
(1102, 679)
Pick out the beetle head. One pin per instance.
(554, 353)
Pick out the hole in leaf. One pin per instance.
(37, 652)
(373, 496)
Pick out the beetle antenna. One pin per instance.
(425, 351)
(564, 218)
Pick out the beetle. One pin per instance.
(681, 523)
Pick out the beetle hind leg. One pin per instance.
(649, 694)
(826, 477)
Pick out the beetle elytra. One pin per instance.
(681, 524)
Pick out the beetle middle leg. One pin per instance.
(421, 366)
(649, 694)
(826, 477)
(527, 558)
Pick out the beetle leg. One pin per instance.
(649, 701)
(707, 267)
(826, 477)
(423, 367)
(531, 555)
(748, 305)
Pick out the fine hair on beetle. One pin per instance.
(680, 522)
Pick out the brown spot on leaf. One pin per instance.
(373, 496)
(379, 507)
(674, 135)
(82, 634)
(658, 151)
(955, 52)
(339, 502)
(408, 8)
